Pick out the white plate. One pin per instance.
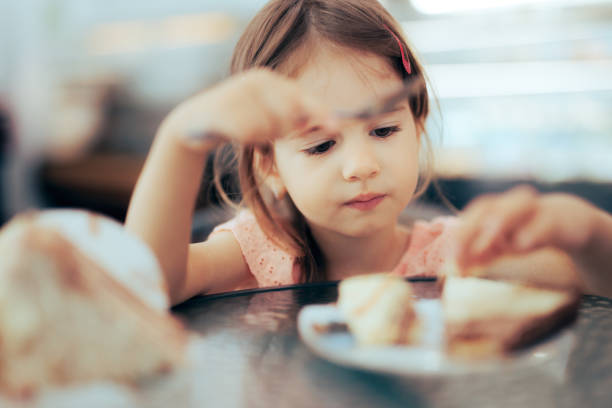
(425, 358)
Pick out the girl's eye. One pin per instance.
(385, 131)
(320, 148)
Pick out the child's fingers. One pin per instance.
(471, 226)
(505, 215)
(272, 106)
(253, 107)
(539, 231)
(563, 221)
(292, 110)
(490, 223)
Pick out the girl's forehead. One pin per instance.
(346, 78)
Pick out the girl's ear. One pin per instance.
(276, 185)
(268, 173)
(420, 127)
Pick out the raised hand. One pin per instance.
(253, 107)
(522, 220)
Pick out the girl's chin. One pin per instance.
(357, 226)
(367, 230)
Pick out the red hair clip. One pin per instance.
(405, 60)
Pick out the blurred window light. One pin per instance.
(170, 32)
(120, 37)
(520, 78)
(454, 6)
(482, 34)
(210, 28)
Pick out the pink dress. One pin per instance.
(430, 245)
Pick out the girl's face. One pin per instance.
(358, 181)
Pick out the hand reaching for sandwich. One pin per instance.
(522, 220)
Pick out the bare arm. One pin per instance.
(162, 205)
(161, 213)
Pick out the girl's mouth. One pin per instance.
(365, 202)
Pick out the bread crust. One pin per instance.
(501, 335)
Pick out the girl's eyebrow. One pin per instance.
(400, 106)
(368, 117)
(383, 105)
(397, 108)
(303, 133)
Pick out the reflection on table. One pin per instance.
(256, 358)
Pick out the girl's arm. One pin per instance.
(161, 211)
(522, 220)
(253, 107)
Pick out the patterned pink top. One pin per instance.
(429, 246)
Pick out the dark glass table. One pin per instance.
(254, 357)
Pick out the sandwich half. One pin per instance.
(484, 317)
(379, 309)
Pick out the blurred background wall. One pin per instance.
(524, 92)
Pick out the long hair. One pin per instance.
(280, 29)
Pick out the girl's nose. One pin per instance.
(360, 163)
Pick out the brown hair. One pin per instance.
(271, 38)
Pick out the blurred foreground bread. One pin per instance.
(379, 309)
(67, 316)
(510, 302)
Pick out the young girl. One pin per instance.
(322, 193)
